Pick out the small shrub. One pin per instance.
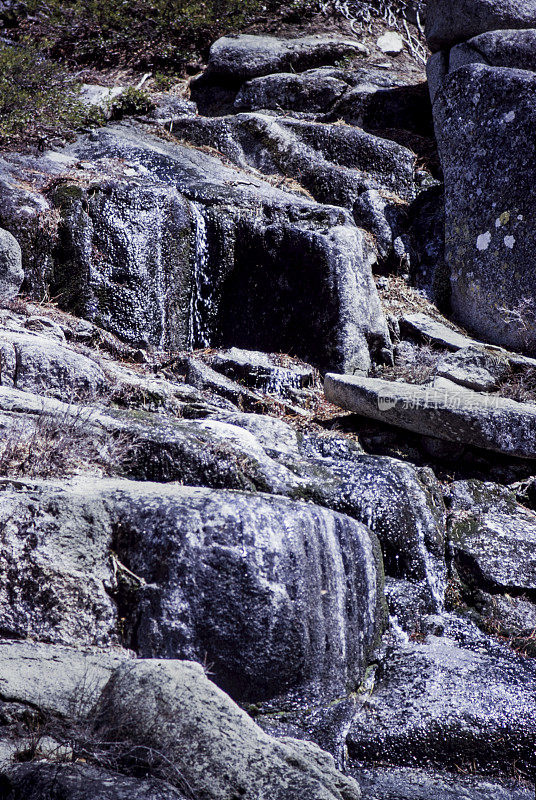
(131, 101)
(38, 98)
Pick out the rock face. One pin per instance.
(493, 538)
(58, 680)
(513, 49)
(171, 707)
(44, 366)
(11, 274)
(487, 83)
(425, 699)
(184, 271)
(275, 594)
(474, 368)
(256, 586)
(335, 164)
(55, 566)
(190, 537)
(452, 21)
(460, 415)
(82, 782)
(417, 784)
(126, 260)
(480, 111)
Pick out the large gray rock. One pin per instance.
(127, 259)
(514, 49)
(475, 368)
(377, 102)
(402, 506)
(441, 704)
(253, 246)
(274, 594)
(484, 119)
(311, 92)
(263, 371)
(452, 21)
(213, 254)
(44, 366)
(492, 423)
(219, 752)
(335, 163)
(493, 538)
(11, 274)
(239, 58)
(280, 595)
(55, 565)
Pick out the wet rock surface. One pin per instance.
(79, 782)
(425, 702)
(415, 784)
(489, 530)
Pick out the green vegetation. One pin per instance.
(131, 101)
(39, 95)
(166, 35)
(38, 98)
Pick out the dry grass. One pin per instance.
(61, 444)
(398, 298)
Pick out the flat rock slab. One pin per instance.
(246, 56)
(60, 680)
(492, 423)
(422, 326)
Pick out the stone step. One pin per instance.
(490, 422)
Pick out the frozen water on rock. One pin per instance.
(200, 302)
(399, 633)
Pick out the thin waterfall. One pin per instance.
(200, 301)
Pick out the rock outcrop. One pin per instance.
(218, 751)
(426, 706)
(179, 499)
(483, 97)
(451, 21)
(488, 209)
(243, 57)
(267, 597)
(176, 267)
